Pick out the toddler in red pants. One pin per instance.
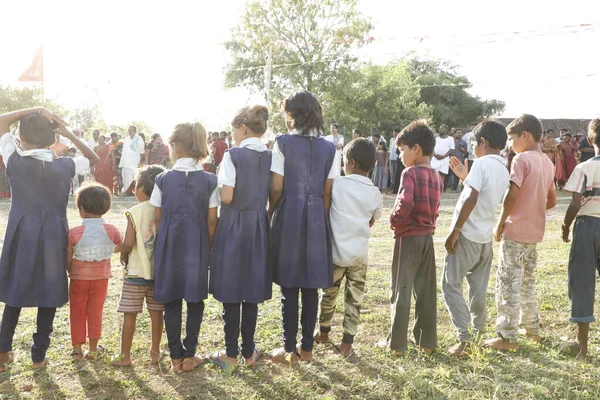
(91, 246)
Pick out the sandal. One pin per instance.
(252, 361)
(160, 355)
(220, 358)
(92, 355)
(77, 355)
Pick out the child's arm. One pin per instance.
(465, 212)
(327, 195)
(69, 259)
(507, 206)
(81, 145)
(378, 212)
(227, 194)
(572, 212)
(404, 201)
(212, 225)
(157, 217)
(6, 120)
(551, 198)
(128, 240)
(275, 192)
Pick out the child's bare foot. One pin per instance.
(533, 338)
(460, 349)
(155, 356)
(426, 349)
(250, 362)
(573, 348)
(5, 359)
(77, 355)
(191, 363)
(176, 365)
(123, 360)
(345, 349)
(500, 344)
(280, 355)
(40, 365)
(399, 353)
(305, 356)
(321, 337)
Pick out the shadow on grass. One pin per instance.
(46, 385)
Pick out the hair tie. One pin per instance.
(265, 115)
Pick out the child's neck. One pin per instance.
(491, 152)
(91, 216)
(422, 161)
(534, 146)
(597, 150)
(356, 171)
(443, 135)
(25, 145)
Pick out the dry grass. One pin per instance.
(536, 371)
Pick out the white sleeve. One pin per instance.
(452, 144)
(7, 146)
(214, 199)
(335, 167)
(379, 211)
(82, 165)
(227, 173)
(156, 198)
(341, 140)
(475, 179)
(277, 160)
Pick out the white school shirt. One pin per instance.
(227, 173)
(489, 176)
(132, 148)
(186, 165)
(354, 201)
(278, 159)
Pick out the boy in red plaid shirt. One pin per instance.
(413, 222)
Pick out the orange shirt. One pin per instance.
(60, 149)
(91, 270)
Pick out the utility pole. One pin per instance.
(268, 72)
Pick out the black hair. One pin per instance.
(417, 132)
(146, 177)
(305, 110)
(114, 134)
(336, 126)
(357, 132)
(34, 128)
(362, 151)
(72, 150)
(492, 131)
(94, 199)
(374, 130)
(215, 134)
(549, 130)
(155, 136)
(567, 133)
(141, 134)
(383, 145)
(594, 132)
(397, 130)
(526, 123)
(377, 135)
(132, 128)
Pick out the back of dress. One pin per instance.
(301, 240)
(34, 255)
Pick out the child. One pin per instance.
(186, 200)
(241, 273)
(303, 167)
(413, 222)
(444, 145)
(137, 257)
(380, 173)
(585, 250)
(91, 246)
(469, 244)
(519, 228)
(460, 153)
(34, 275)
(356, 205)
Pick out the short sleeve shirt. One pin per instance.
(585, 180)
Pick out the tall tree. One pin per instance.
(308, 42)
(445, 90)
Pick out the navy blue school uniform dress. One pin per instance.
(300, 230)
(181, 252)
(241, 267)
(34, 255)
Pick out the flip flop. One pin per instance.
(217, 359)
(255, 357)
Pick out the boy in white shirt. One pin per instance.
(469, 244)
(355, 206)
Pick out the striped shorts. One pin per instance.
(132, 299)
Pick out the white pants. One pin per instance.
(128, 175)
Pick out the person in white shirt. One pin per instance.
(355, 206)
(133, 148)
(470, 243)
(444, 145)
(93, 142)
(337, 140)
(467, 139)
(393, 156)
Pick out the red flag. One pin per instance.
(35, 72)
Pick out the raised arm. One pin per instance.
(6, 120)
(80, 144)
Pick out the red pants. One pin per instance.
(86, 301)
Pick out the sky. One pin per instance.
(163, 62)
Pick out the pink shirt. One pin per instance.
(92, 270)
(533, 173)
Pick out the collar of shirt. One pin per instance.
(497, 157)
(254, 143)
(92, 221)
(359, 178)
(312, 132)
(187, 165)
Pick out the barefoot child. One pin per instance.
(520, 227)
(186, 200)
(241, 275)
(413, 222)
(91, 246)
(303, 166)
(469, 244)
(355, 206)
(585, 249)
(35, 274)
(137, 258)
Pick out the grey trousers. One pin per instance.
(413, 273)
(474, 262)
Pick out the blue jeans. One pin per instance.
(173, 322)
(308, 319)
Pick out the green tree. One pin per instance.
(445, 90)
(385, 97)
(310, 42)
(12, 99)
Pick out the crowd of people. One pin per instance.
(287, 216)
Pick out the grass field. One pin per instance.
(536, 371)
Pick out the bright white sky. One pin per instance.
(164, 64)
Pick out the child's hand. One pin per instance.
(63, 131)
(124, 259)
(52, 117)
(371, 222)
(498, 231)
(565, 233)
(451, 241)
(460, 170)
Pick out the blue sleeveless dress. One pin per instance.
(241, 267)
(34, 255)
(300, 230)
(181, 252)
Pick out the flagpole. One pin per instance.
(43, 88)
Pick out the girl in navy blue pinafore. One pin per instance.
(33, 266)
(241, 269)
(186, 200)
(303, 167)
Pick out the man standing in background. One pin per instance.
(467, 139)
(133, 147)
(93, 142)
(337, 140)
